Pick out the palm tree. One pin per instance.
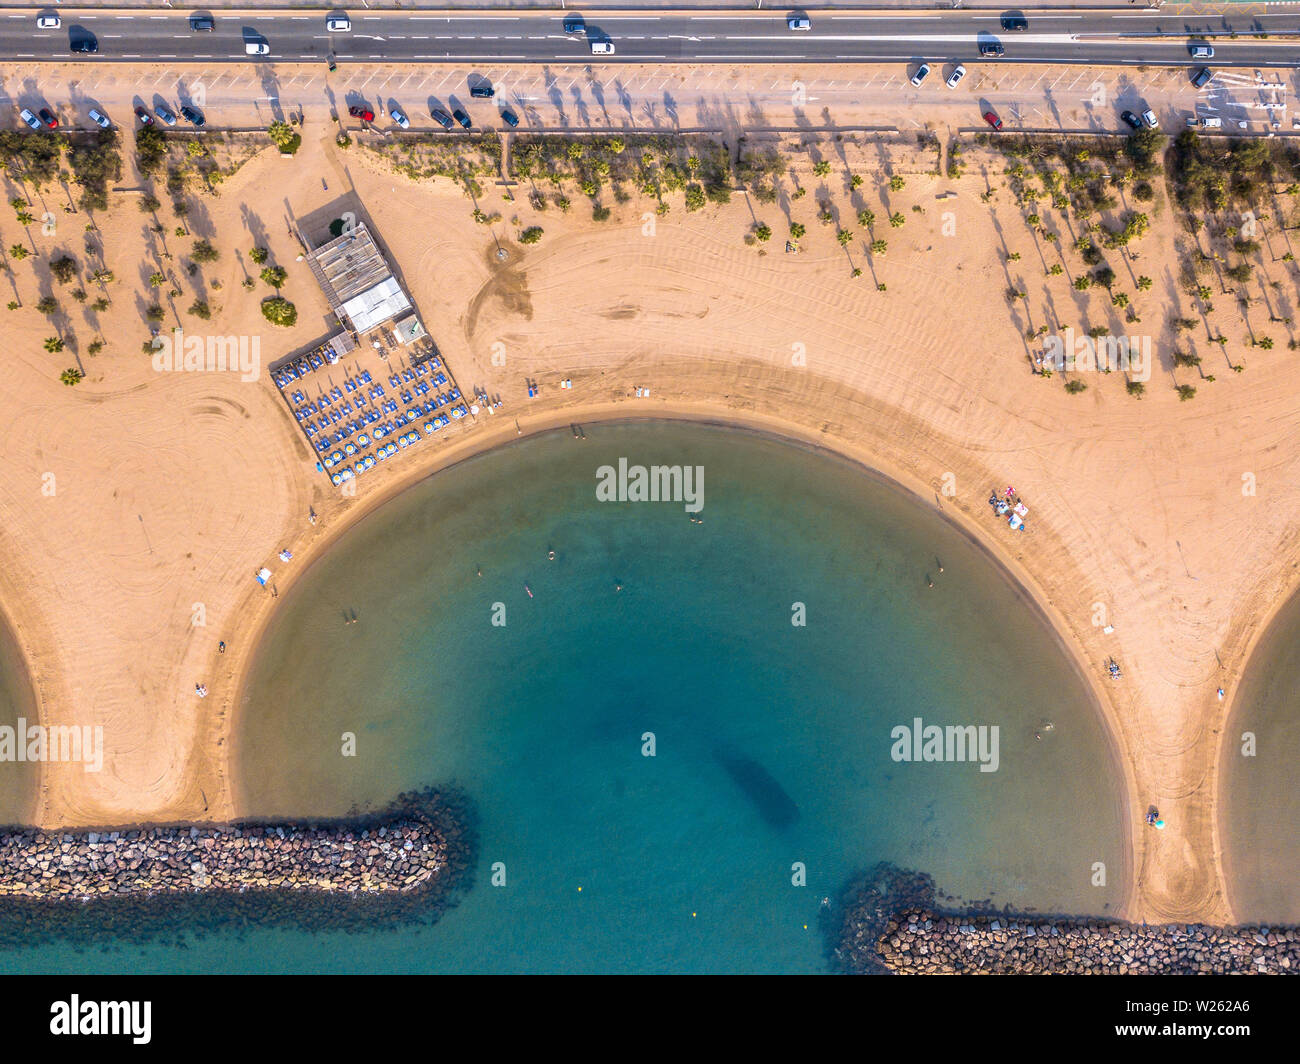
(54, 345)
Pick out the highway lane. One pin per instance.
(1079, 38)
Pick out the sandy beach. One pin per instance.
(122, 573)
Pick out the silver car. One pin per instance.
(100, 120)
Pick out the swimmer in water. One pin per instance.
(551, 555)
(618, 587)
(480, 570)
(928, 581)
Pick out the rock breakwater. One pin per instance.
(351, 873)
(892, 924)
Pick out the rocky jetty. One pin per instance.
(892, 924)
(351, 873)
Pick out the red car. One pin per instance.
(993, 120)
(48, 118)
(362, 113)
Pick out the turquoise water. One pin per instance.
(772, 741)
(1261, 802)
(18, 780)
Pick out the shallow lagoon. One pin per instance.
(771, 741)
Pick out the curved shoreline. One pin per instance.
(767, 427)
(1251, 666)
(21, 688)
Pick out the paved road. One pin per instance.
(1079, 38)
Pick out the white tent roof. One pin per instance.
(376, 305)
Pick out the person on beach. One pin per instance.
(221, 647)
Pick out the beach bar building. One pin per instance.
(357, 281)
(378, 388)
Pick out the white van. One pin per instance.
(257, 48)
(602, 47)
(1212, 123)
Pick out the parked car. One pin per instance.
(461, 117)
(363, 113)
(1131, 119)
(30, 118)
(146, 119)
(1014, 21)
(100, 120)
(992, 49)
(87, 45)
(574, 24)
(441, 117)
(954, 79)
(202, 23)
(1202, 77)
(47, 118)
(48, 22)
(338, 24)
(192, 115)
(509, 117)
(482, 91)
(602, 47)
(921, 73)
(798, 22)
(1200, 50)
(163, 113)
(992, 119)
(399, 116)
(1149, 119)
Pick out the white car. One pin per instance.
(1202, 51)
(48, 22)
(30, 118)
(602, 47)
(257, 48)
(100, 120)
(1149, 117)
(954, 79)
(798, 22)
(399, 116)
(921, 73)
(338, 24)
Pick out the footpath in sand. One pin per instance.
(170, 490)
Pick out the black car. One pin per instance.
(192, 115)
(1131, 120)
(201, 23)
(991, 48)
(1202, 77)
(482, 91)
(48, 118)
(461, 117)
(509, 117)
(1014, 22)
(441, 117)
(84, 44)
